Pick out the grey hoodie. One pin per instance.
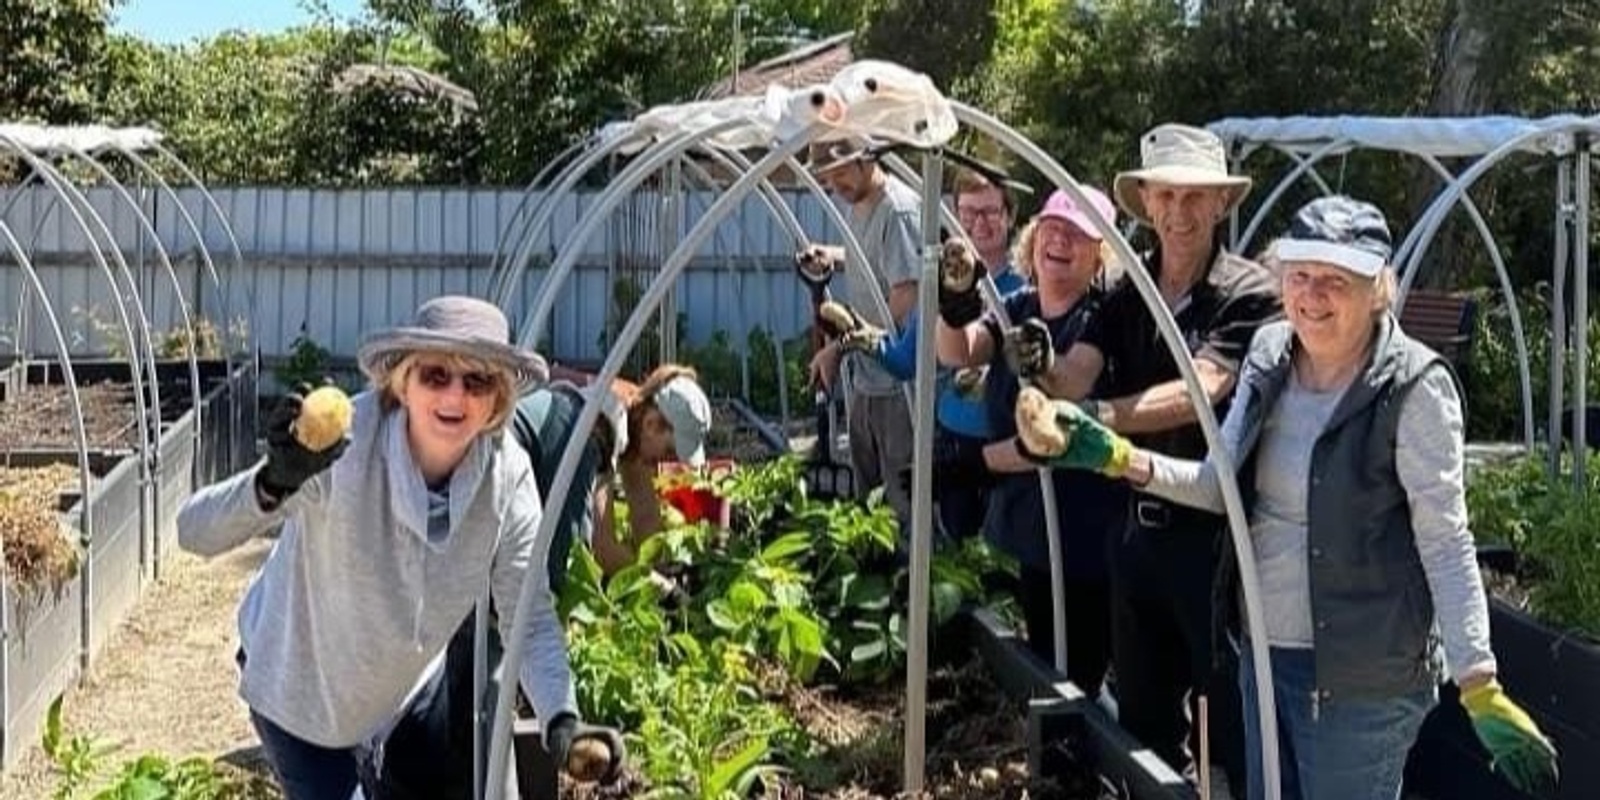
(354, 601)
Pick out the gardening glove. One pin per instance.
(578, 747)
(960, 269)
(289, 463)
(1061, 434)
(838, 320)
(814, 266)
(1028, 350)
(968, 381)
(1520, 752)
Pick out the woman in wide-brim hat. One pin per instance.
(387, 540)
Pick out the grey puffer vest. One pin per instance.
(1371, 607)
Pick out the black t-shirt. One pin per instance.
(1217, 320)
(1089, 506)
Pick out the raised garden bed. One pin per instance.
(130, 525)
(42, 599)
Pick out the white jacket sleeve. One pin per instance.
(546, 676)
(227, 514)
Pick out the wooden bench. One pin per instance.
(1443, 321)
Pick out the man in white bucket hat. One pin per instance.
(1161, 558)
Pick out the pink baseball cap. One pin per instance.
(1062, 206)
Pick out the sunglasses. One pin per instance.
(439, 378)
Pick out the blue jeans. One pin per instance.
(306, 771)
(1334, 749)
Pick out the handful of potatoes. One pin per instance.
(325, 417)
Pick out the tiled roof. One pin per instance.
(817, 62)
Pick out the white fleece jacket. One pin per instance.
(354, 601)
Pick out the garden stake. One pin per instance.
(1205, 750)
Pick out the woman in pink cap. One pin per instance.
(1064, 253)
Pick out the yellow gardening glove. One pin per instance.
(1520, 752)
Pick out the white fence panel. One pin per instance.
(342, 262)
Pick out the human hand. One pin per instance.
(1519, 750)
(959, 272)
(824, 367)
(1028, 350)
(289, 463)
(1057, 433)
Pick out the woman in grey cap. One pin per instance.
(1348, 439)
(387, 540)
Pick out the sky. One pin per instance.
(179, 21)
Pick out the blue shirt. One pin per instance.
(955, 411)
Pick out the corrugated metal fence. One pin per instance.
(341, 262)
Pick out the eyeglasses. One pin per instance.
(438, 378)
(990, 214)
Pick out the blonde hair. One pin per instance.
(394, 384)
(1022, 255)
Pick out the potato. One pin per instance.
(1037, 426)
(589, 759)
(324, 418)
(838, 316)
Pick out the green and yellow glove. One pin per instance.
(1519, 750)
(1061, 434)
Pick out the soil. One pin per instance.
(976, 746)
(40, 417)
(166, 683)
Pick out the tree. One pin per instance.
(49, 51)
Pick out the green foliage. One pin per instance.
(717, 362)
(1493, 388)
(1555, 530)
(308, 362)
(948, 40)
(78, 761)
(797, 590)
(49, 51)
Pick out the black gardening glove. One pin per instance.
(1028, 350)
(562, 740)
(289, 464)
(960, 269)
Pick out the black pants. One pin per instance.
(1161, 570)
(1088, 625)
(428, 755)
(961, 497)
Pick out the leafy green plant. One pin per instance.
(308, 362)
(1554, 529)
(80, 758)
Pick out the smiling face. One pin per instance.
(1064, 257)
(1184, 217)
(449, 402)
(986, 219)
(1332, 309)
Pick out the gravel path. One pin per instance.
(166, 684)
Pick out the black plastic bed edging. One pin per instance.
(769, 435)
(1064, 725)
